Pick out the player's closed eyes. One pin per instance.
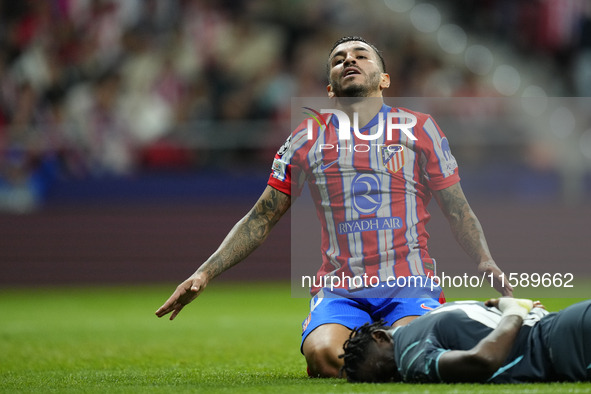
(341, 60)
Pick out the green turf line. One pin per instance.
(236, 338)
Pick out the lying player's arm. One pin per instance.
(242, 240)
(481, 362)
(468, 232)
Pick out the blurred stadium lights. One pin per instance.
(425, 17)
(452, 39)
(562, 122)
(479, 59)
(535, 100)
(506, 80)
(400, 5)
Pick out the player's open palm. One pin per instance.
(184, 294)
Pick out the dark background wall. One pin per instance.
(128, 244)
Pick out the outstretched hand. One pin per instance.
(502, 286)
(184, 294)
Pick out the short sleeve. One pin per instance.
(420, 363)
(438, 165)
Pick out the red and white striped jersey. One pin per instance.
(370, 196)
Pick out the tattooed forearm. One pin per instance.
(248, 233)
(464, 223)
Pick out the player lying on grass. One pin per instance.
(500, 341)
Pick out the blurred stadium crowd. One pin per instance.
(92, 88)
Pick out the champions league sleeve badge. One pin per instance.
(285, 147)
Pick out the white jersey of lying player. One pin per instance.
(370, 196)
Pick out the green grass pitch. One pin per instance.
(236, 338)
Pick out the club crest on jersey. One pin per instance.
(394, 158)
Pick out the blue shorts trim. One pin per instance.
(369, 305)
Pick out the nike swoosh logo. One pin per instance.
(426, 307)
(325, 166)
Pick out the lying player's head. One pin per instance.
(356, 68)
(369, 355)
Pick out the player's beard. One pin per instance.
(357, 89)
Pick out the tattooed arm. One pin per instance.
(242, 240)
(468, 232)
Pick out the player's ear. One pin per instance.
(329, 90)
(384, 81)
(381, 336)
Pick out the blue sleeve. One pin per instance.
(419, 362)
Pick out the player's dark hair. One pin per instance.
(354, 38)
(357, 350)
